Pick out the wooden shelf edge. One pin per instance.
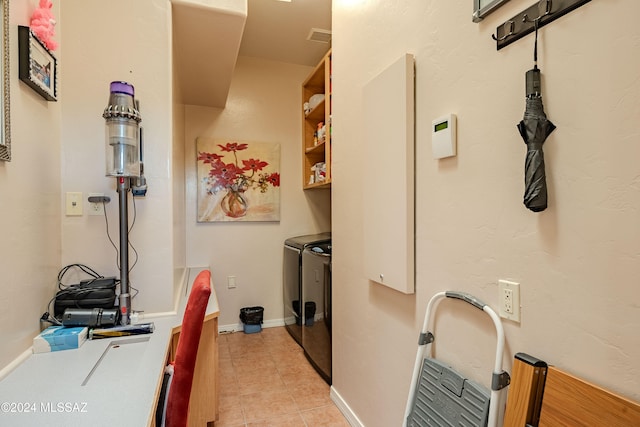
(317, 112)
(319, 185)
(319, 148)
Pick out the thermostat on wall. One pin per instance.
(443, 136)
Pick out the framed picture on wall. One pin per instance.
(238, 181)
(482, 8)
(38, 67)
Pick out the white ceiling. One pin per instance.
(208, 37)
(278, 30)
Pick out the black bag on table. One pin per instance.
(94, 293)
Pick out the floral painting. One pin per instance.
(238, 181)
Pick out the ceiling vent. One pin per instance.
(318, 35)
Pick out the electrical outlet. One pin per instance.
(231, 282)
(96, 208)
(509, 300)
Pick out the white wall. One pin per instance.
(179, 194)
(30, 207)
(577, 262)
(264, 105)
(130, 41)
(178, 177)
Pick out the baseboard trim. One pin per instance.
(15, 362)
(351, 417)
(237, 327)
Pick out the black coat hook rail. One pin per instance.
(543, 11)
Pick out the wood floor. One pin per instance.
(266, 381)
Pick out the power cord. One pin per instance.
(79, 289)
(115, 247)
(87, 287)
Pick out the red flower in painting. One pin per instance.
(209, 157)
(274, 179)
(231, 176)
(232, 147)
(225, 174)
(254, 165)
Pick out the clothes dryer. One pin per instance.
(292, 280)
(316, 294)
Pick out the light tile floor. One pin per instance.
(266, 381)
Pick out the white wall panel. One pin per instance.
(388, 181)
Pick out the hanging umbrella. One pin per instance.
(534, 129)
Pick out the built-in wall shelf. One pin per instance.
(316, 149)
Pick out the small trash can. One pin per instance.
(309, 313)
(251, 318)
(296, 308)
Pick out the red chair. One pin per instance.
(177, 409)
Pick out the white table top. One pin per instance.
(47, 388)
